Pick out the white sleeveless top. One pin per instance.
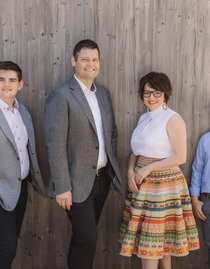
(150, 138)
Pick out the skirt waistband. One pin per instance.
(143, 161)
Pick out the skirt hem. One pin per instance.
(157, 258)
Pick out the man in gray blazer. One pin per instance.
(17, 160)
(81, 136)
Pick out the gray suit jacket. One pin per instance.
(72, 140)
(10, 173)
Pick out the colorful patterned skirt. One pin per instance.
(158, 220)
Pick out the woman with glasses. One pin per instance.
(157, 220)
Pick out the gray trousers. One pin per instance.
(206, 224)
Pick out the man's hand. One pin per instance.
(64, 200)
(197, 208)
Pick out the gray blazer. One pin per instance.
(72, 140)
(10, 173)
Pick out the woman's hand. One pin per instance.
(140, 174)
(131, 181)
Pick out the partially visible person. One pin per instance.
(157, 219)
(200, 186)
(81, 136)
(17, 160)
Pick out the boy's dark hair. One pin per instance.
(7, 65)
(85, 44)
(157, 81)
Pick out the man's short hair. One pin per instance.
(8, 65)
(85, 44)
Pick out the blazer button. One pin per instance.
(94, 167)
(97, 147)
(18, 158)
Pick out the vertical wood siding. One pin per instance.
(135, 37)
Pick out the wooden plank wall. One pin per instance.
(135, 37)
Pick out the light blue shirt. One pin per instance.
(200, 181)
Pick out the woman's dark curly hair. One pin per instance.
(157, 81)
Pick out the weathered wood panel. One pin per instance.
(135, 37)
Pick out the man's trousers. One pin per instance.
(84, 218)
(206, 224)
(10, 226)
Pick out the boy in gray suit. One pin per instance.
(17, 159)
(82, 140)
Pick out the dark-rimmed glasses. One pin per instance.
(156, 94)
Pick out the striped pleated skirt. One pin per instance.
(158, 220)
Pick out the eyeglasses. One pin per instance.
(156, 94)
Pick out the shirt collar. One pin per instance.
(155, 113)
(84, 88)
(4, 105)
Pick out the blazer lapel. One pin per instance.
(102, 104)
(6, 130)
(81, 99)
(28, 124)
(103, 109)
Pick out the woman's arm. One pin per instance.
(131, 173)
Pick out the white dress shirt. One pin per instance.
(19, 132)
(150, 137)
(93, 103)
